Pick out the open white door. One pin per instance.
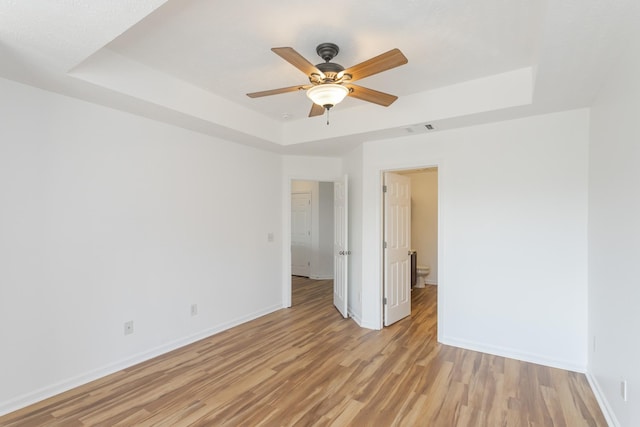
(397, 247)
(340, 246)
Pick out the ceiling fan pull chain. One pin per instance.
(328, 109)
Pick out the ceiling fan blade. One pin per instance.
(297, 60)
(316, 110)
(277, 91)
(371, 95)
(386, 61)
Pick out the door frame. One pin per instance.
(441, 279)
(286, 229)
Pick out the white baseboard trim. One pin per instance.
(370, 325)
(431, 282)
(606, 409)
(68, 384)
(358, 319)
(515, 354)
(321, 277)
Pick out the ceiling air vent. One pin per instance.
(429, 126)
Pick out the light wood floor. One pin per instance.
(307, 366)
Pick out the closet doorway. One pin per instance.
(312, 232)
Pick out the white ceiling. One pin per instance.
(191, 62)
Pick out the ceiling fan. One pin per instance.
(330, 83)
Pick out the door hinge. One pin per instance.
(384, 300)
(384, 188)
(385, 245)
(308, 263)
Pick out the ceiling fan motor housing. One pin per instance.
(330, 70)
(328, 51)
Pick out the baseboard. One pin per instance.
(321, 277)
(608, 413)
(356, 317)
(370, 325)
(431, 282)
(65, 385)
(515, 354)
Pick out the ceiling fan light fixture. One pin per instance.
(327, 95)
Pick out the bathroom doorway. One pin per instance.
(398, 285)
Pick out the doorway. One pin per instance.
(312, 223)
(415, 232)
(338, 236)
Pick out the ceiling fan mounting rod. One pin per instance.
(327, 51)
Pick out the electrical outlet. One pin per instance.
(270, 237)
(128, 327)
(194, 309)
(623, 390)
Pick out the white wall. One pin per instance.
(107, 217)
(614, 237)
(424, 219)
(513, 247)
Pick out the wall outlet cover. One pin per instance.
(128, 327)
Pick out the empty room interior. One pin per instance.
(162, 162)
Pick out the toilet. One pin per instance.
(422, 271)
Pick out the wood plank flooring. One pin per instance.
(306, 366)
